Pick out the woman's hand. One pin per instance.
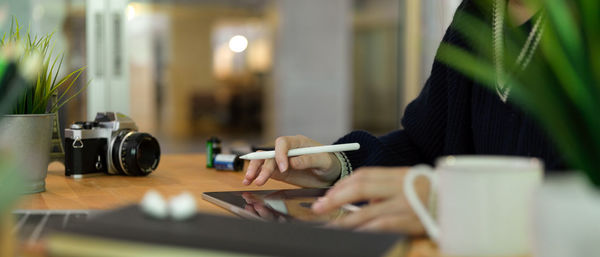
(313, 170)
(388, 209)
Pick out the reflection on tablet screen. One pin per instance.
(280, 206)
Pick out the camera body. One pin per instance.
(110, 144)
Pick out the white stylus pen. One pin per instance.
(303, 151)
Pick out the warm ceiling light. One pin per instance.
(130, 12)
(238, 43)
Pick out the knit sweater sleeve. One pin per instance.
(421, 140)
(394, 149)
(425, 119)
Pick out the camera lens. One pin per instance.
(135, 154)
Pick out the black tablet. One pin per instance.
(290, 205)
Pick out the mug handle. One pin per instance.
(430, 225)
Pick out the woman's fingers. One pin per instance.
(266, 171)
(252, 171)
(358, 187)
(311, 171)
(284, 144)
(367, 213)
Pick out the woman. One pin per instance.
(453, 115)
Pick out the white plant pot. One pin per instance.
(28, 139)
(566, 218)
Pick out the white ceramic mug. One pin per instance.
(483, 204)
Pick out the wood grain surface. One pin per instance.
(175, 174)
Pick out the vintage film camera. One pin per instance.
(109, 144)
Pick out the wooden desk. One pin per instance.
(175, 174)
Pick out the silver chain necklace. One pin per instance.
(531, 44)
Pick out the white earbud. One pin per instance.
(180, 207)
(183, 206)
(154, 205)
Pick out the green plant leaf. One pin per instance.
(467, 63)
(71, 97)
(37, 98)
(561, 87)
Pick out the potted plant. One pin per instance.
(561, 88)
(30, 83)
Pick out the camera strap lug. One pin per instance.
(77, 144)
(99, 163)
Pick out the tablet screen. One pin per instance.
(275, 205)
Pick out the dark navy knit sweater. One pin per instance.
(454, 115)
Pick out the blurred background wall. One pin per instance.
(246, 71)
(312, 78)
